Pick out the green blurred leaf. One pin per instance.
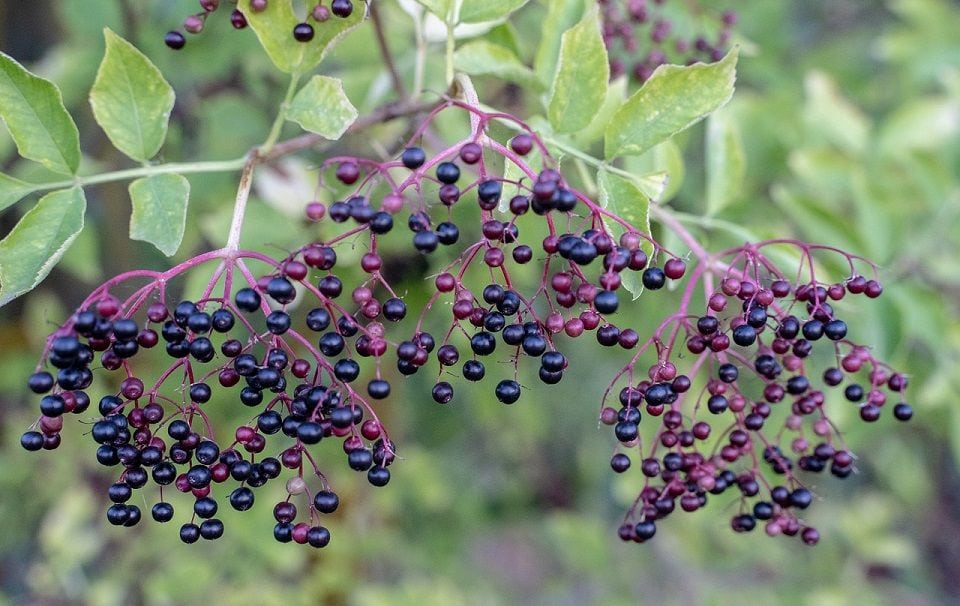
(445, 10)
(726, 161)
(12, 190)
(921, 124)
(561, 16)
(582, 76)
(131, 101)
(625, 199)
(832, 117)
(481, 57)
(274, 28)
(673, 99)
(34, 113)
(39, 239)
(160, 211)
(322, 107)
(472, 11)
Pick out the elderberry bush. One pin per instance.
(314, 351)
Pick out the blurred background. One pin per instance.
(849, 116)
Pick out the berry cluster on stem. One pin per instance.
(313, 349)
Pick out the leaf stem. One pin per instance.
(240, 206)
(216, 166)
(281, 115)
(451, 46)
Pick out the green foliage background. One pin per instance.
(849, 117)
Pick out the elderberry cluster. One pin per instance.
(641, 35)
(302, 32)
(753, 385)
(293, 344)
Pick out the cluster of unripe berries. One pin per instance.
(640, 35)
(294, 345)
(302, 32)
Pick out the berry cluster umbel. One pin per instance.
(320, 373)
(641, 35)
(304, 31)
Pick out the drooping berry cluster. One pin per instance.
(298, 371)
(302, 32)
(641, 35)
(756, 383)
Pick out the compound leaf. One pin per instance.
(322, 107)
(37, 119)
(583, 72)
(623, 198)
(12, 190)
(274, 28)
(673, 99)
(131, 100)
(473, 11)
(159, 211)
(39, 240)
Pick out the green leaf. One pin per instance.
(485, 58)
(561, 16)
(131, 101)
(322, 107)
(663, 169)
(472, 11)
(626, 200)
(726, 161)
(673, 99)
(12, 190)
(922, 124)
(445, 10)
(616, 94)
(827, 114)
(36, 118)
(159, 211)
(583, 73)
(274, 28)
(38, 241)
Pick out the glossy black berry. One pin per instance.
(341, 8)
(162, 512)
(413, 157)
(448, 172)
(211, 529)
(247, 300)
(653, 278)
(507, 391)
(174, 40)
(303, 32)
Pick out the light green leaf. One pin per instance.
(274, 28)
(616, 94)
(583, 73)
(322, 107)
(38, 241)
(626, 200)
(131, 101)
(830, 115)
(482, 58)
(922, 124)
(726, 161)
(12, 190)
(673, 99)
(159, 211)
(473, 11)
(444, 9)
(561, 16)
(662, 168)
(36, 118)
